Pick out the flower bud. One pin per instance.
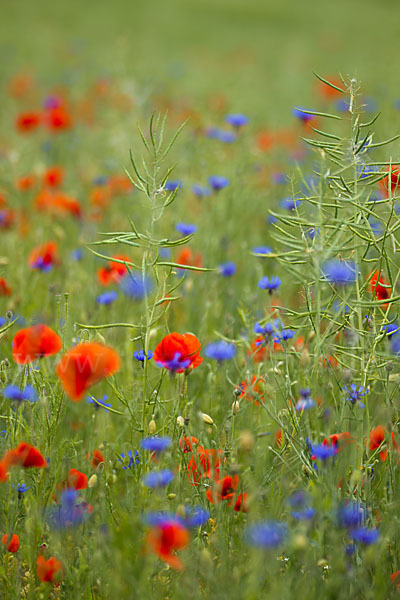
(235, 407)
(180, 421)
(152, 426)
(206, 419)
(92, 480)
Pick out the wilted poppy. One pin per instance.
(167, 538)
(177, 352)
(85, 365)
(35, 342)
(44, 257)
(13, 544)
(50, 570)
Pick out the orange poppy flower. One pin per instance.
(188, 443)
(53, 176)
(5, 289)
(205, 463)
(24, 455)
(44, 257)
(391, 180)
(167, 538)
(35, 342)
(77, 480)
(252, 390)
(25, 183)
(97, 458)
(178, 352)
(114, 271)
(50, 570)
(187, 258)
(85, 365)
(13, 544)
(376, 438)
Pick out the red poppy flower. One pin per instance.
(13, 544)
(77, 480)
(252, 390)
(166, 539)
(5, 289)
(380, 287)
(97, 458)
(241, 504)
(58, 119)
(24, 455)
(187, 258)
(44, 257)
(188, 443)
(178, 352)
(225, 489)
(205, 463)
(28, 121)
(339, 440)
(114, 271)
(50, 570)
(53, 176)
(391, 180)
(376, 438)
(35, 342)
(85, 365)
(279, 439)
(3, 471)
(25, 183)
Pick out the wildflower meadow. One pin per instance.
(199, 307)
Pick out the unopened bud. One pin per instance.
(235, 407)
(180, 421)
(92, 480)
(300, 542)
(180, 511)
(152, 426)
(246, 441)
(206, 419)
(171, 496)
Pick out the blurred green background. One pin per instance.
(259, 53)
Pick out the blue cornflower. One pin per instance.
(390, 329)
(340, 272)
(212, 133)
(237, 119)
(290, 203)
(140, 355)
(355, 394)
(3, 321)
(200, 191)
(299, 113)
(265, 331)
(132, 459)
(284, 335)
(195, 516)
(220, 351)
(77, 254)
(158, 519)
(14, 393)
(351, 515)
(99, 403)
(227, 137)
(364, 535)
(100, 180)
(69, 512)
(156, 479)
(134, 286)
(342, 105)
(377, 227)
(305, 514)
(227, 269)
(107, 298)
(217, 182)
(305, 401)
(155, 444)
(269, 283)
(312, 232)
(165, 252)
(322, 451)
(177, 363)
(42, 265)
(272, 219)
(395, 346)
(267, 534)
(186, 228)
(22, 488)
(262, 250)
(171, 186)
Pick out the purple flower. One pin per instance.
(133, 459)
(262, 250)
(140, 355)
(99, 403)
(157, 479)
(171, 186)
(364, 535)
(322, 452)
(290, 203)
(174, 364)
(351, 514)
(200, 191)
(300, 113)
(69, 513)
(355, 394)
(135, 286)
(237, 120)
(305, 401)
